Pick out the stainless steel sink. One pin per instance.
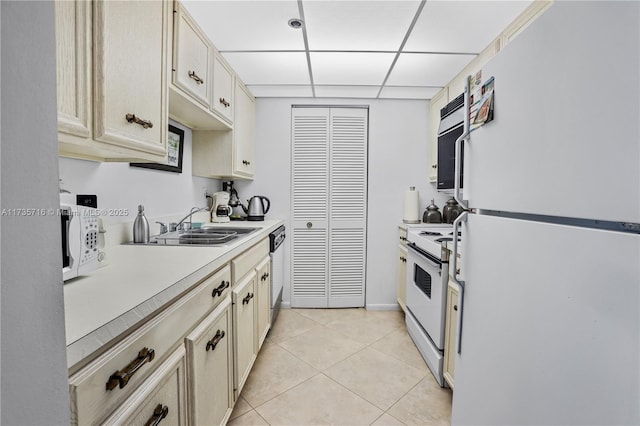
(209, 236)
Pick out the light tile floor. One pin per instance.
(341, 367)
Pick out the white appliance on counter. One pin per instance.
(427, 278)
(549, 304)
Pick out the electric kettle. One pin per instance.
(256, 209)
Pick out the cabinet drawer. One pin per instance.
(402, 235)
(95, 390)
(248, 260)
(162, 396)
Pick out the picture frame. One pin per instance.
(175, 149)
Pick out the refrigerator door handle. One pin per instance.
(457, 175)
(456, 224)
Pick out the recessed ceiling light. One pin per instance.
(296, 23)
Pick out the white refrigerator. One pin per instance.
(551, 249)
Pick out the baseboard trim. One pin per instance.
(383, 307)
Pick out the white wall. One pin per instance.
(398, 158)
(34, 366)
(120, 186)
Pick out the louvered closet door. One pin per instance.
(310, 198)
(348, 206)
(329, 188)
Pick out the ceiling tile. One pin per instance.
(413, 69)
(347, 91)
(462, 26)
(248, 25)
(281, 91)
(270, 67)
(358, 25)
(341, 68)
(408, 92)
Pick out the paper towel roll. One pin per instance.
(411, 206)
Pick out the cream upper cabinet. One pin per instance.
(210, 368)
(243, 132)
(130, 81)
(222, 88)
(112, 71)
(263, 302)
(73, 54)
(192, 57)
(437, 103)
(220, 154)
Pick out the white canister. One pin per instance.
(411, 206)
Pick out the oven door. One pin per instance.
(426, 292)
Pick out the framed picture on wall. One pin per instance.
(175, 147)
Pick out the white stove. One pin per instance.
(427, 277)
(431, 238)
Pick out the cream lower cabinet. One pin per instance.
(243, 296)
(210, 368)
(451, 333)
(161, 399)
(263, 302)
(402, 268)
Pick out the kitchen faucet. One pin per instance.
(179, 226)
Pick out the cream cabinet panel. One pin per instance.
(243, 133)
(73, 54)
(244, 348)
(437, 103)
(222, 88)
(247, 261)
(451, 330)
(402, 277)
(210, 368)
(161, 399)
(130, 80)
(192, 57)
(228, 154)
(456, 86)
(263, 303)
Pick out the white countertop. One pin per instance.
(137, 281)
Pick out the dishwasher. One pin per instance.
(276, 252)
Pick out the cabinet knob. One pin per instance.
(195, 77)
(455, 307)
(131, 118)
(309, 225)
(434, 166)
(160, 412)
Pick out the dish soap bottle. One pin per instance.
(141, 227)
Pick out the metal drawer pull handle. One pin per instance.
(131, 118)
(264, 276)
(195, 76)
(246, 299)
(224, 102)
(245, 162)
(218, 290)
(211, 344)
(159, 413)
(121, 378)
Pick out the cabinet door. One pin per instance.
(73, 54)
(243, 329)
(161, 399)
(210, 368)
(451, 329)
(263, 304)
(437, 103)
(222, 101)
(402, 277)
(243, 131)
(192, 58)
(130, 80)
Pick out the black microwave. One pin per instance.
(450, 129)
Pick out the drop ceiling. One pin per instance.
(402, 49)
